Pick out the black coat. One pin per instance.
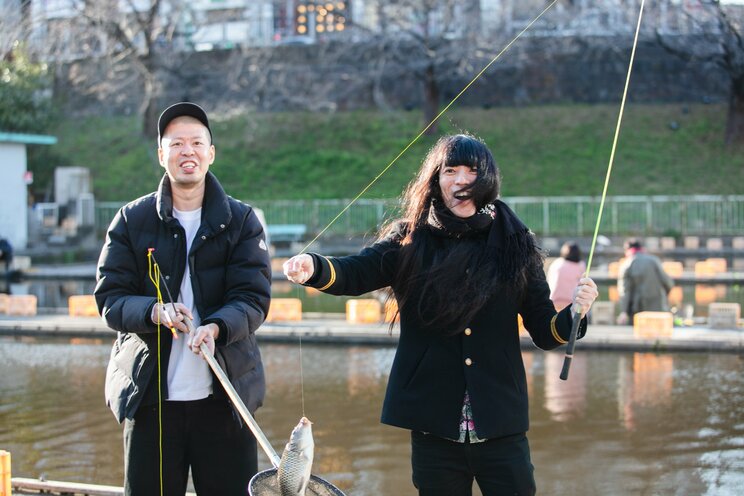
(431, 371)
(231, 281)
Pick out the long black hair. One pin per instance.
(447, 281)
(571, 251)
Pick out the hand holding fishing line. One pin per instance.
(178, 316)
(172, 315)
(299, 268)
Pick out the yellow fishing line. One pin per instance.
(155, 280)
(467, 86)
(614, 140)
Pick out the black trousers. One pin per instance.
(202, 435)
(446, 468)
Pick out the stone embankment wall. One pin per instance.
(535, 70)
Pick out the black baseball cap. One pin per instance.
(182, 109)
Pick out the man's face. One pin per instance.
(186, 152)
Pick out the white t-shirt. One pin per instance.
(188, 374)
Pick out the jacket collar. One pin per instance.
(216, 213)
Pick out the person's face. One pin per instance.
(452, 181)
(185, 152)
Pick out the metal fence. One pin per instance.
(547, 216)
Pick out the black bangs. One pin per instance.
(466, 150)
(463, 149)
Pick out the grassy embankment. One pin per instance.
(547, 150)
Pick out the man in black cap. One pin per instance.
(212, 254)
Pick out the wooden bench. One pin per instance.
(286, 233)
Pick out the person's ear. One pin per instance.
(161, 157)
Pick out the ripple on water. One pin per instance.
(723, 471)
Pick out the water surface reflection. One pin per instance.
(624, 423)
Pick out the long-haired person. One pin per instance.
(564, 273)
(461, 266)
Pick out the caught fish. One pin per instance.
(296, 464)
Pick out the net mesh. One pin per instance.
(265, 484)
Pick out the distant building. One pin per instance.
(222, 24)
(14, 180)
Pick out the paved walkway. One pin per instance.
(23, 486)
(337, 331)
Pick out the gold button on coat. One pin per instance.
(468, 331)
(468, 362)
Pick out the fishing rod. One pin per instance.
(576, 310)
(222, 377)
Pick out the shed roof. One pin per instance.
(27, 139)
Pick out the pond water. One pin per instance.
(624, 423)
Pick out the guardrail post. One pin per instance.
(649, 216)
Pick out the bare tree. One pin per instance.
(429, 39)
(11, 29)
(126, 35)
(25, 101)
(718, 40)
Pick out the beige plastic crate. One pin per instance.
(691, 242)
(710, 267)
(364, 311)
(668, 243)
(715, 244)
(5, 473)
(705, 294)
(22, 305)
(603, 312)
(676, 296)
(277, 265)
(82, 306)
(613, 294)
(285, 309)
(724, 315)
(673, 269)
(718, 265)
(653, 324)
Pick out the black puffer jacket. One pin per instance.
(230, 277)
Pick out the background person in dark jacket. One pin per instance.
(461, 266)
(6, 255)
(642, 284)
(213, 256)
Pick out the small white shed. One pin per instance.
(13, 185)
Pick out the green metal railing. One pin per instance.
(698, 215)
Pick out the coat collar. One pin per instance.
(216, 213)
